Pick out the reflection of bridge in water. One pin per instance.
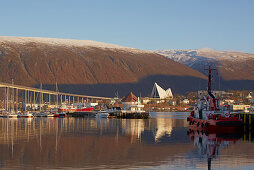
(29, 95)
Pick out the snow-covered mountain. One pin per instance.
(68, 43)
(231, 65)
(89, 67)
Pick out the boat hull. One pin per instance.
(59, 115)
(229, 125)
(88, 109)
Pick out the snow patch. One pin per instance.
(68, 43)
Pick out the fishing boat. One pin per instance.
(71, 108)
(210, 116)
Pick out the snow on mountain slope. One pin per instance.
(67, 43)
(93, 68)
(231, 65)
(189, 57)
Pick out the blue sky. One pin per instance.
(143, 24)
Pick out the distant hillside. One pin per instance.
(235, 69)
(88, 67)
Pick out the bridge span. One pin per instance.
(30, 94)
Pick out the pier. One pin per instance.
(248, 128)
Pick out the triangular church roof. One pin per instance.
(130, 98)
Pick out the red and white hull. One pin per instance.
(222, 125)
(88, 109)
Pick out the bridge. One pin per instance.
(12, 92)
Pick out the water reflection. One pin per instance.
(88, 143)
(210, 145)
(85, 142)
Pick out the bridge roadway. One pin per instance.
(31, 89)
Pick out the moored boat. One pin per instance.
(26, 115)
(102, 114)
(59, 114)
(212, 117)
(11, 116)
(72, 109)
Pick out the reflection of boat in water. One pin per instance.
(212, 117)
(210, 144)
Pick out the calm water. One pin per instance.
(88, 143)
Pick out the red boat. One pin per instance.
(59, 115)
(88, 109)
(212, 117)
(71, 109)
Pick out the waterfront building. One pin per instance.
(132, 103)
(240, 107)
(145, 100)
(216, 93)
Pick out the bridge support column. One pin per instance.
(34, 100)
(49, 100)
(17, 100)
(7, 99)
(28, 98)
(42, 100)
(25, 100)
(57, 100)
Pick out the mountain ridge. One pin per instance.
(231, 65)
(31, 61)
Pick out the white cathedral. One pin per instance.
(160, 93)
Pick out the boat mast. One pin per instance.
(209, 90)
